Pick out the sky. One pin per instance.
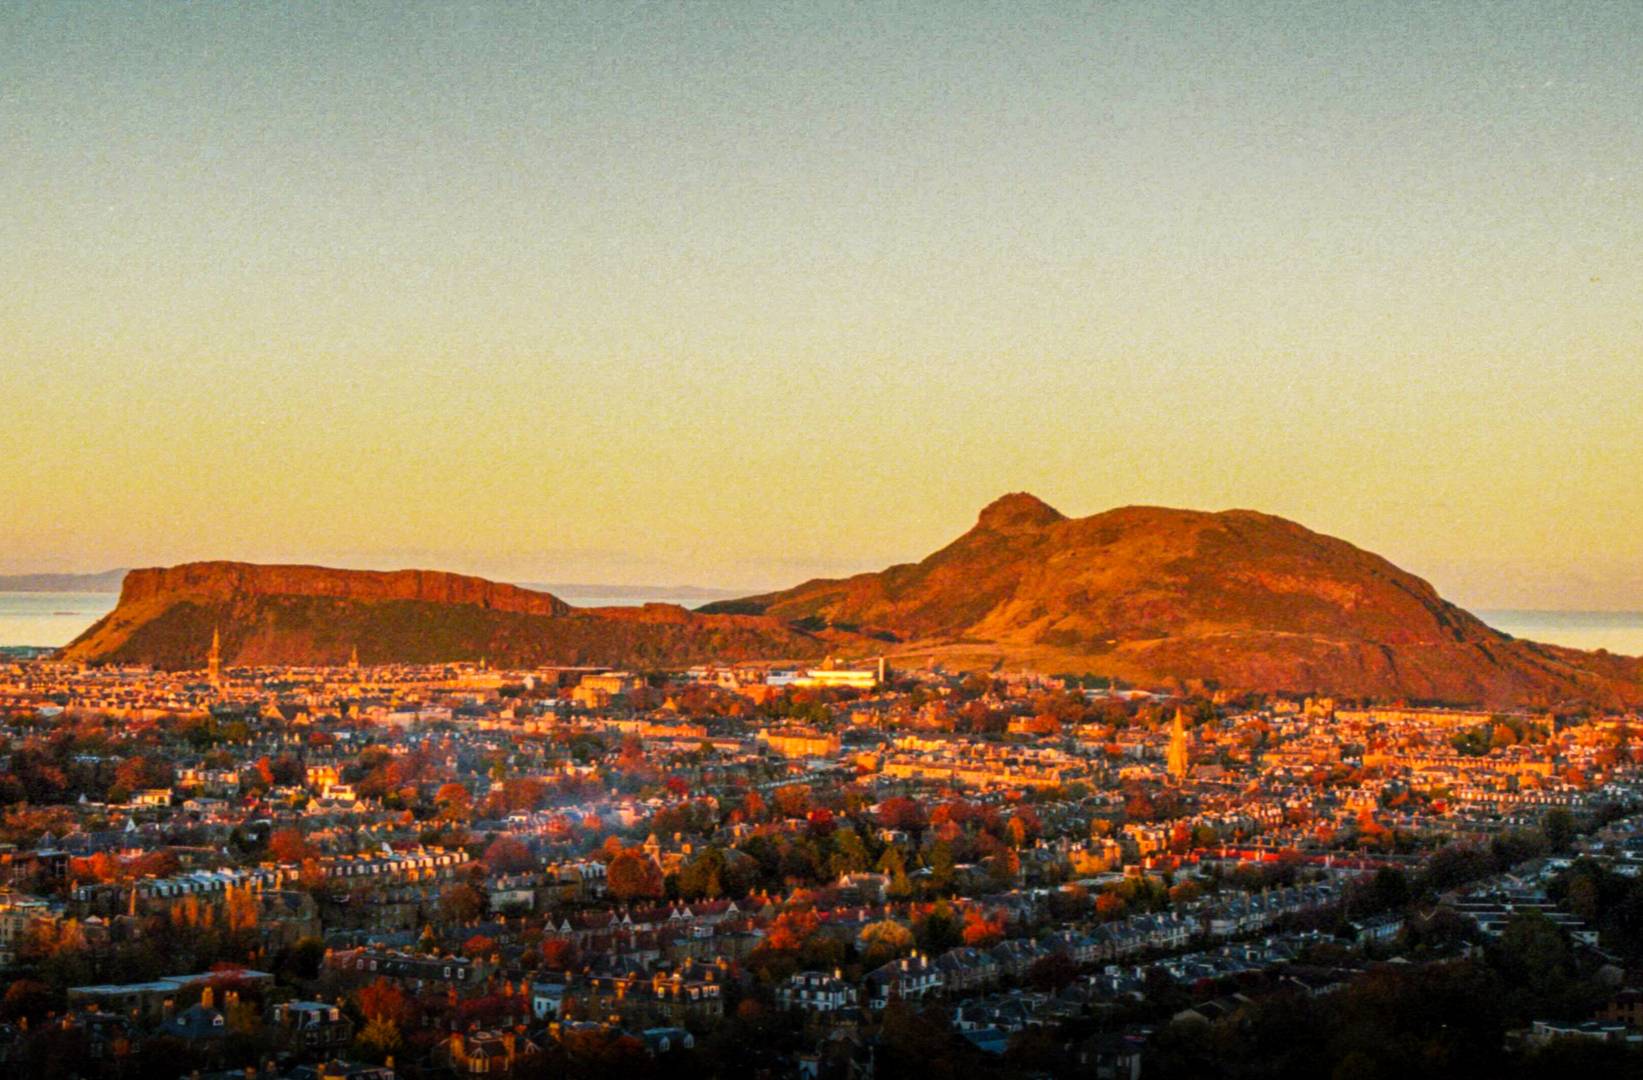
(741, 294)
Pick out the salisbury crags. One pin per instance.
(317, 615)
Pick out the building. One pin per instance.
(827, 676)
(817, 991)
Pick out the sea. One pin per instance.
(50, 619)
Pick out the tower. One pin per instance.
(213, 660)
(353, 658)
(1177, 759)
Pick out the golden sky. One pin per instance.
(738, 295)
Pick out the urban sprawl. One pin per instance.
(852, 871)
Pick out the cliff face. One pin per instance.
(316, 615)
(1235, 599)
(227, 581)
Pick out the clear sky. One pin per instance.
(738, 294)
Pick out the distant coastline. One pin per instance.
(106, 581)
(1619, 632)
(45, 612)
(640, 594)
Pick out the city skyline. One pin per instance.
(735, 297)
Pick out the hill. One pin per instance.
(317, 615)
(1155, 596)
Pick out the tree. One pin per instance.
(454, 802)
(1559, 827)
(900, 812)
(981, 931)
(883, 941)
(793, 800)
(289, 846)
(383, 1000)
(559, 954)
(849, 853)
(892, 864)
(791, 930)
(460, 903)
(632, 876)
(1004, 867)
(938, 930)
(507, 855)
(703, 876)
(379, 1039)
(941, 866)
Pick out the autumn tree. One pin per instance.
(632, 875)
(559, 954)
(382, 999)
(982, 931)
(703, 876)
(900, 812)
(894, 866)
(791, 930)
(460, 903)
(793, 800)
(289, 846)
(507, 855)
(883, 941)
(454, 802)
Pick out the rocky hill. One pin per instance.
(1237, 599)
(316, 615)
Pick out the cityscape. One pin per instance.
(742, 869)
(1109, 540)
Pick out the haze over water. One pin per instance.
(52, 619)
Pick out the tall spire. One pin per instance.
(1178, 759)
(213, 660)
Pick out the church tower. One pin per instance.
(213, 660)
(1177, 759)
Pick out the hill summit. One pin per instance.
(1156, 596)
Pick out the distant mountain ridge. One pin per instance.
(104, 582)
(631, 592)
(1236, 600)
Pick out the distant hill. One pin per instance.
(317, 615)
(693, 593)
(1238, 599)
(107, 581)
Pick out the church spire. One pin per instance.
(1178, 760)
(213, 660)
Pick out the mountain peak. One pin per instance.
(1018, 511)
